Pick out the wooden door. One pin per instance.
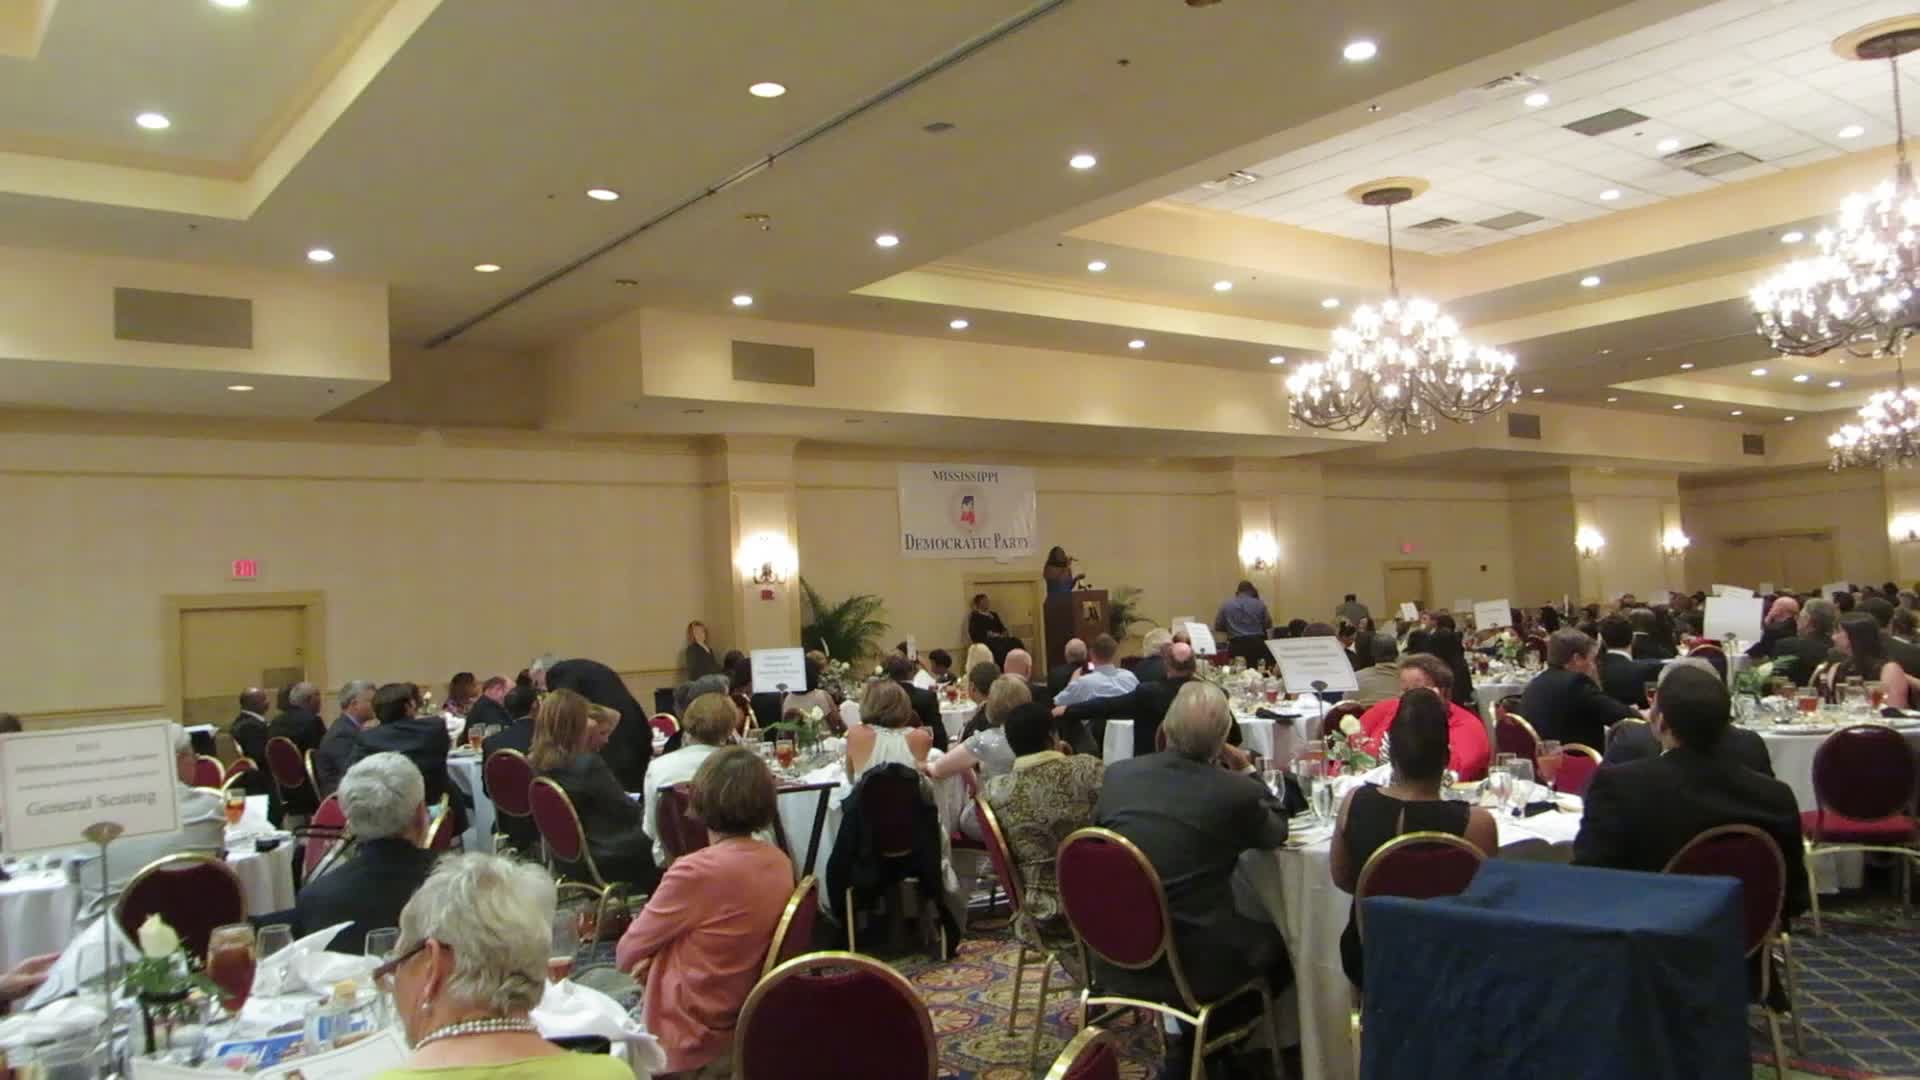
(1807, 561)
(1020, 603)
(225, 650)
(1406, 583)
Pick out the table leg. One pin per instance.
(819, 826)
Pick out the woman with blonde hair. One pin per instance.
(562, 752)
(978, 653)
(698, 657)
(987, 749)
(884, 735)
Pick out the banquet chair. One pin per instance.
(566, 842)
(1088, 1056)
(326, 833)
(1513, 735)
(208, 772)
(1117, 907)
(1577, 766)
(664, 724)
(440, 836)
(681, 831)
(1750, 855)
(892, 805)
(1614, 728)
(1863, 786)
(1001, 854)
(193, 893)
(1712, 654)
(289, 771)
(237, 769)
(506, 776)
(784, 1025)
(793, 936)
(1416, 866)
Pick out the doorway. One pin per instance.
(1021, 604)
(1788, 560)
(219, 645)
(1407, 583)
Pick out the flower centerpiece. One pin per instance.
(1350, 746)
(839, 679)
(163, 980)
(806, 727)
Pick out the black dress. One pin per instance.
(700, 662)
(1374, 818)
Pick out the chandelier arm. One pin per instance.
(1899, 121)
(1393, 274)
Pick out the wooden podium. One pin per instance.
(1081, 614)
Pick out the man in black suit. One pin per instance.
(488, 709)
(385, 801)
(631, 746)
(1193, 818)
(249, 731)
(1782, 615)
(925, 705)
(1634, 742)
(1797, 657)
(300, 720)
(985, 628)
(1153, 661)
(1564, 702)
(423, 740)
(1146, 705)
(1075, 656)
(1623, 678)
(331, 760)
(518, 734)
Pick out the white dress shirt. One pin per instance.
(666, 771)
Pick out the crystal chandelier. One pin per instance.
(1857, 294)
(1403, 366)
(1885, 433)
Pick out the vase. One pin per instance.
(160, 1013)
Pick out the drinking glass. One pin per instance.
(1504, 759)
(230, 964)
(1876, 697)
(236, 804)
(1522, 772)
(1271, 778)
(1549, 760)
(1499, 784)
(1323, 800)
(1808, 701)
(566, 944)
(1652, 690)
(273, 939)
(1273, 691)
(783, 753)
(1311, 773)
(381, 942)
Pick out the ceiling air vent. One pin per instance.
(1523, 425)
(171, 318)
(1437, 224)
(1725, 163)
(1511, 220)
(1753, 444)
(1238, 178)
(1680, 159)
(1601, 123)
(786, 365)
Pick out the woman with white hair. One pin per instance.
(470, 965)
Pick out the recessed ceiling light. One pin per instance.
(1851, 131)
(1737, 412)
(1686, 367)
(1788, 419)
(1802, 378)
(487, 268)
(625, 282)
(1668, 146)
(603, 194)
(1610, 195)
(1137, 343)
(742, 300)
(1361, 50)
(887, 240)
(1083, 161)
(153, 121)
(1537, 99)
(1097, 266)
(958, 324)
(1330, 303)
(1223, 286)
(1793, 237)
(1539, 389)
(241, 388)
(1611, 400)
(1677, 405)
(319, 255)
(231, 5)
(1276, 359)
(1834, 384)
(1758, 371)
(766, 89)
(1590, 281)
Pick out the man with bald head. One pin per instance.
(1075, 654)
(249, 731)
(1146, 705)
(1779, 623)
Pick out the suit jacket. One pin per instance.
(1636, 742)
(1378, 683)
(631, 746)
(1059, 677)
(306, 729)
(1570, 707)
(1796, 657)
(367, 890)
(982, 625)
(927, 707)
(1770, 635)
(424, 741)
(250, 735)
(1151, 669)
(614, 823)
(331, 760)
(1625, 681)
(1192, 820)
(487, 711)
(1645, 648)
(1640, 814)
(1146, 706)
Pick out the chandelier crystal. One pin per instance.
(1885, 433)
(1402, 366)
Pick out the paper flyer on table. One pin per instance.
(1490, 614)
(1736, 615)
(1304, 661)
(1202, 637)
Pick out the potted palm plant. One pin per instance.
(845, 630)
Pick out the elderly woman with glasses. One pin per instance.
(470, 965)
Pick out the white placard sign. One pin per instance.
(913, 648)
(1736, 615)
(1766, 588)
(1305, 660)
(56, 783)
(1179, 623)
(1409, 613)
(966, 511)
(1462, 605)
(777, 671)
(1738, 591)
(1658, 596)
(1201, 635)
(1831, 587)
(1488, 614)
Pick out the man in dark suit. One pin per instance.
(385, 801)
(984, 627)
(518, 734)
(1782, 615)
(1153, 663)
(488, 709)
(1146, 705)
(925, 705)
(423, 740)
(1623, 678)
(249, 731)
(1192, 819)
(335, 754)
(631, 746)
(1905, 654)
(1075, 659)
(300, 720)
(1564, 702)
(1633, 742)
(1797, 657)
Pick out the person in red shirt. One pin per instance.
(1468, 750)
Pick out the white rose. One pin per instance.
(157, 939)
(1349, 725)
(814, 714)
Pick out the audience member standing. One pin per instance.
(631, 745)
(1245, 621)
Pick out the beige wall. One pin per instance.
(1456, 526)
(1852, 504)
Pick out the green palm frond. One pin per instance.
(1123, 610)
(846, 630)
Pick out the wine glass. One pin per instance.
(230, 964)
(271, 940)
(566, 944)
(381, 942)
(1548, 761)
(1499, 783)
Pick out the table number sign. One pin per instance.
(1202, 637)
(1304, 661)
(777, 671)
(55, 784)
(1489, 614)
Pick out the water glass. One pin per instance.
(272, 939)
(1311, 774)
(1522, 793)
(1323, 800)
(1499, 783)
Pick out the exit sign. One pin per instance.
(244, 570)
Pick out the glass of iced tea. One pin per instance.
(1549, 759)
(1877, 696)
(783, 753)
(1808, 701)
(566, 944)
(236, 798)
(230, 964)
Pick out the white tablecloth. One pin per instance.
(954, 718)
(1293, 888)
(1257, 735)
(1793, 766)
(464, 770)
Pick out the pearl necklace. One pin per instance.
(490, 1026)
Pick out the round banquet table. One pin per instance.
(1293, 888)
(954, 717)
(463, 767)
(1257, 735)
(798, 807)
(1792, 756)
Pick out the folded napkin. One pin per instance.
(277, 973)
(568, 1010)
(87, 948)
(317, 971)
(62, 1019)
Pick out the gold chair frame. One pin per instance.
(218, 766)
(802, 965)
(1069, 1053)
(1906, 853)
(1585, 751)
(161, 865)
(604, 893)
(234, 773)
(440, 822)
(1426, 836)
(501, 842)
(1016, 894)
(803, 893)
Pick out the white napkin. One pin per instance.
(318, 971)
(569, 1010)
(65, 976)
(60, 1020)
(272, 972)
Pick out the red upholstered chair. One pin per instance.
(193, 893)
(440, 837)
(664, 724)
(1577, 767)
(325, 833)
(1707, 650)
(236, 769)
(1001, 855)
(566, 841)
(208, 772)
(681, 830)
(507, 776)
(794, 935)
(1113, 899)
(1088, 1056)
(1863, 780)
(1418, 866)
(779, 1032)
(1513, 735)
(1752, 856)
(289, 771)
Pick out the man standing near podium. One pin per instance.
(985, 628)
(1245, 621)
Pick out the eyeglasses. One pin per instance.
(383, 975)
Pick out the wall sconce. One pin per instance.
(1589, 542)
(1259, 551)
(1673, 542)
(1905, 529)
(766, 559)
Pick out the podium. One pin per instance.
(1080, 614)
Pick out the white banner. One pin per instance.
(966, 511)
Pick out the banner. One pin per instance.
(966, 511)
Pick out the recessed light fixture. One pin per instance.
(153, 121)
(487, 268)
(1737, 412)
(1611, 400)
(241, 388)
(1330, 303)
(1097, 266)
(1758, 371)
(1788, 419)
(602, 194)
(1851, 131)
(1276, 360)
(1538, 99)
(1083, 161)
(1223, 286)
(319, 255)
(1677, 405)
(766, 89)
(1793, 237)
(1589, 281)
(958, 324)
(1802, 378)
(1137, 343)
(1610, 195)
(231, 5)
(1668, 146)
(1834, 384)
(1686, 367)
(1360, 50)
(1539, 389)
(625, 282)
(886, 240)
(742, 300)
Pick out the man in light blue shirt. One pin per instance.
(1105, 680)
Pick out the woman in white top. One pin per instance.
(987, 749)
(883, 736)
(707, 726)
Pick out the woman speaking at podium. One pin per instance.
(1059, 572)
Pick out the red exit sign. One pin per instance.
(244, 570)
